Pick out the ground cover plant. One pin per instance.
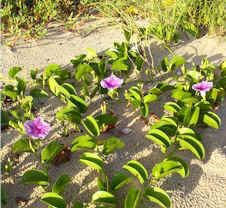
(165, 20)
(195, 93)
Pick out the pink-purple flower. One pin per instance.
(203, 87)
(37, 128)
(111, 82)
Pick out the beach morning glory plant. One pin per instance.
(112, 82)
(203, 87)
(37, 128)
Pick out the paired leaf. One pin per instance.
(35, 176)
(91, 126)
(169, 166)
(103, 197)
(132, 198)
(212, 120)
(158, 196)
(159, 137)
(137, 169)
(83, 142)
(53, 200)
(112, 144)
(22, 145)
(79, 103)
(92, 160)
(119, 180)
(60, 184)
(13, 71)
(50, 151)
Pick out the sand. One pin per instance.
(206, 185)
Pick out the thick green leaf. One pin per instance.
(169, 166)
(69, 113)
(212, 120)
(60, 184)
(10, 91)
(53, 200)
(190, 142)
(83, 142)
(91, 126)
(21, 85)
(106, 119)
(176, 61)
(50, 151)
(172, 107)
(132, 198)
(150, 98)
(38, 93)
(103, 197)
(35, 176)
(137, 169)
(13, 71)
(82, 70)
(54, 86)
(33, 73)
(120, 65)
(144, 109)
(22, 145)
(159, 137)
(119, 180)
(70, 88)
(112, 144)
(79, 103)
(194, 116)
(92, 160)
(158, 196)
(181, 95)
(167, 124)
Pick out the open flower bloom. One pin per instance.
(111, 82)
(37, 128)
(203, 87)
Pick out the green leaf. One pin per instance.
(91, 126)
(22, 145)
(33, 73)
(35, 176)
(181, 95)
(91, 53)
(194, 116)
(212, 120)
(83, 142)
(103, 197)
(70, 88)
(167, 124)
(112, 144)
(21, 85)
(79, 103)
(158, 196)
(119, 180)
(159, 137)
(51, 69)
(92, 160)
(54, 86)
(38, 93)
(120, 65)
(53, 200)
(144, 109)
(169, 166)
(50, 151)
(137, 169)
(190, 142)
(132, 198)
(60, 184)
(13, 71)
(10, 91)
(82, 70)
(176, 61)
(106, 119)
(150, 98)
(172, 107)
(69, 113)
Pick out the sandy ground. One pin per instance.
(206, 185)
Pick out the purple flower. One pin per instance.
(111, 82)
(203, 87)
(37, 128)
